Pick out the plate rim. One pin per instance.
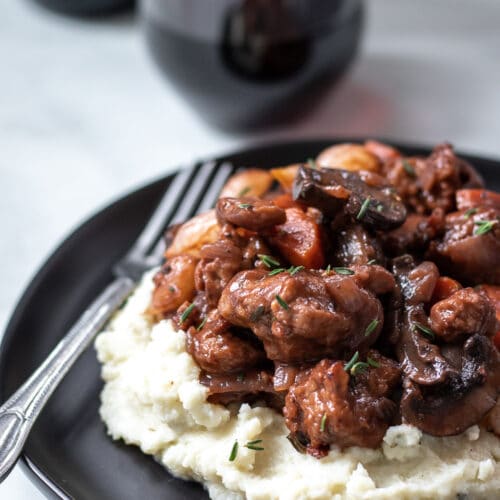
(37, 477)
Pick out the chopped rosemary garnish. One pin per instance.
(171, 289)
(483, 226)
(294, 269)
(371, 327)
(409, 168)
(312, 163)
(380, 207)
(323, 423)
(234, 452)
(363, 209)
(255, 441)
(371, 261)
(202, 324)
(359, 367)
(255, 316)
(268, 260)
(372, 362)
(245, 205)
(244, 191)
(424, 329)
(240, 377)
(281, 302)
(343, 270)
(277, 271)
(254, 445)
(187, 312)
(469, 212)
(352, 361)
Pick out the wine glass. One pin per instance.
(248, 63)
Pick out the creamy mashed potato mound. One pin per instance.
(152, 399)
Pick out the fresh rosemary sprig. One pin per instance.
(424, 329)
(352, 361)
(372, 362)
(277, 271)
(343, 270)
(254, 445)
(483, 226)
(234, 452)
(469, 212)
(358, 368)
(281, 302)
(363, 209)
(294, 269)
(187, 312)
(268, 261)
(371, 327)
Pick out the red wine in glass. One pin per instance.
(250, 63)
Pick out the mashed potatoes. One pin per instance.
(152, 399)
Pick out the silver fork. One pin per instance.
(193, 190)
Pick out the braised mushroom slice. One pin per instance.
(446, 388)
(374, 206)
(249, 213)
(452, 407)
(420, 358)
(238, 387)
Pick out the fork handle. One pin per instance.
(19, 412)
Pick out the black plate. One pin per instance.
(68, 450)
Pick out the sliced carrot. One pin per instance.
(286, 200)
(299, 240)
(471, 198)
(444, 288)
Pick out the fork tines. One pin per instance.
(191, 191)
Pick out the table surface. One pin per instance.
(85, 115)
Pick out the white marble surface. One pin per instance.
(85, 116)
